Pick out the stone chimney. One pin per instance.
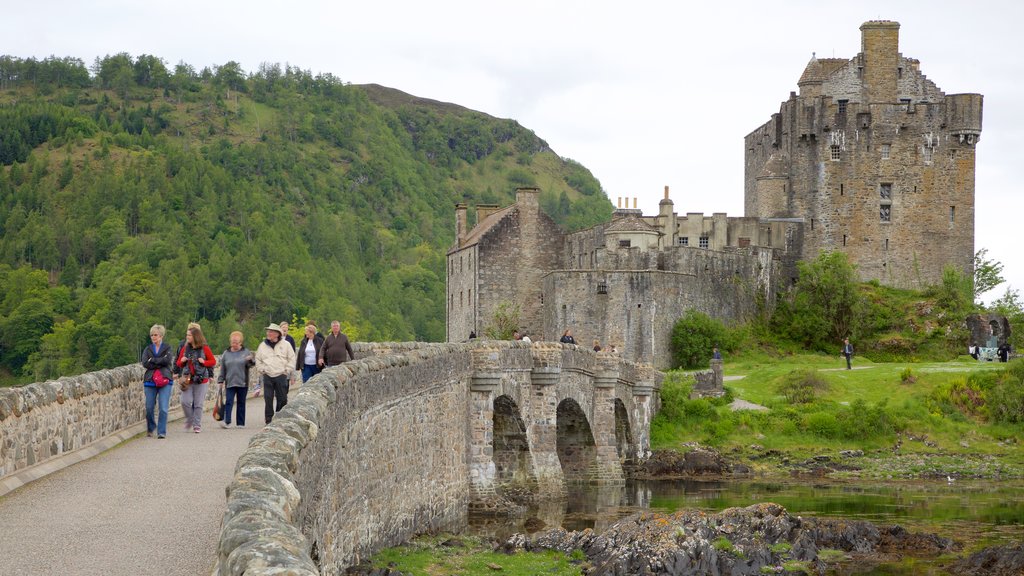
(485, 210)
(880, 60)
(528, 199)
(460, 222)
(667, 221)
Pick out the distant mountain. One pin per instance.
(132, 194)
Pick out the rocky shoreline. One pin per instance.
(700, 461)
(758, 539)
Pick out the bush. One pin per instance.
(801, 386)
(823, 424)
(907, 376)
(693, 337)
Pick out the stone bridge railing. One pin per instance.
(44, 420)
(371, 453)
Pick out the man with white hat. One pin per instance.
(275, 361)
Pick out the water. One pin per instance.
(975, 513)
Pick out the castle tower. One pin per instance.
(875, 160)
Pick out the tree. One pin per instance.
(504, 322)
(987, 273)
(824, 306)
(693, 337)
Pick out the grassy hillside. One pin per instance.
(134, 194)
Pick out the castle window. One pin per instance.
(684, 240)
(886, 148)
(602, 287)
(834, 149)
(885, 212)
(469, 297)
(899, 72)
(885, 191)
(907, 105)
(624, 243)
(927, 151)
(842, 106)
(703, 241)
(840, 189)
(844, 239)
(886, 243)
(952, 214)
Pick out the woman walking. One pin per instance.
(156, 359)
(235, 363)
(308, 352)
(196, 361)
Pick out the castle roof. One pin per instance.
(630, 223)
(483, 226)
(818, 69)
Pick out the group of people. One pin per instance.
(277, 360)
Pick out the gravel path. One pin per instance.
(147, 506)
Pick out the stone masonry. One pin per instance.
(875, 160)
(48, 419)
(411, 437)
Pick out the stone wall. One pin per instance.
(370, 453)
(47, 419)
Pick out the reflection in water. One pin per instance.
(974, 513)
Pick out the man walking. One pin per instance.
(336, 348)
(275, 362)
(848, 352)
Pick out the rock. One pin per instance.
(996, 561)
(757, 539)
(851, 453)
(697, 462)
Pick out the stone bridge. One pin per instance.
(411, 438)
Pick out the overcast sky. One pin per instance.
(645, 94)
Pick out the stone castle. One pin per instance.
(871, 159)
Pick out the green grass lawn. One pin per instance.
(445, 555)
(942, 413)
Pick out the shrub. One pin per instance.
(822, 424)
(693, 337)
(907, 376)
(801, 386)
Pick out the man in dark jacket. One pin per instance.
(336, 348)
(307, 356)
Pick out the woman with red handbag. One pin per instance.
(196, 361)
(156, 359)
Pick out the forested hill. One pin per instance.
(134, 193)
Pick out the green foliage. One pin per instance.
(693, 337)
(824, 306)
(987, 273)
(907, 376)
(235, 199)
(462, 555)
(504, 322)
(802, 386)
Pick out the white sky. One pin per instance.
(645, 94)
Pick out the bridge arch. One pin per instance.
(511, 449)
(577, 449)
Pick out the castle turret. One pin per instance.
(880, 62)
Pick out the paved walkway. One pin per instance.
(147, 506)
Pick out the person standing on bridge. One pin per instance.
(336, 348)
(157, 361)
(235, 363)
(309, 352)
(275, 363)
(196, 362)
(567, 337)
